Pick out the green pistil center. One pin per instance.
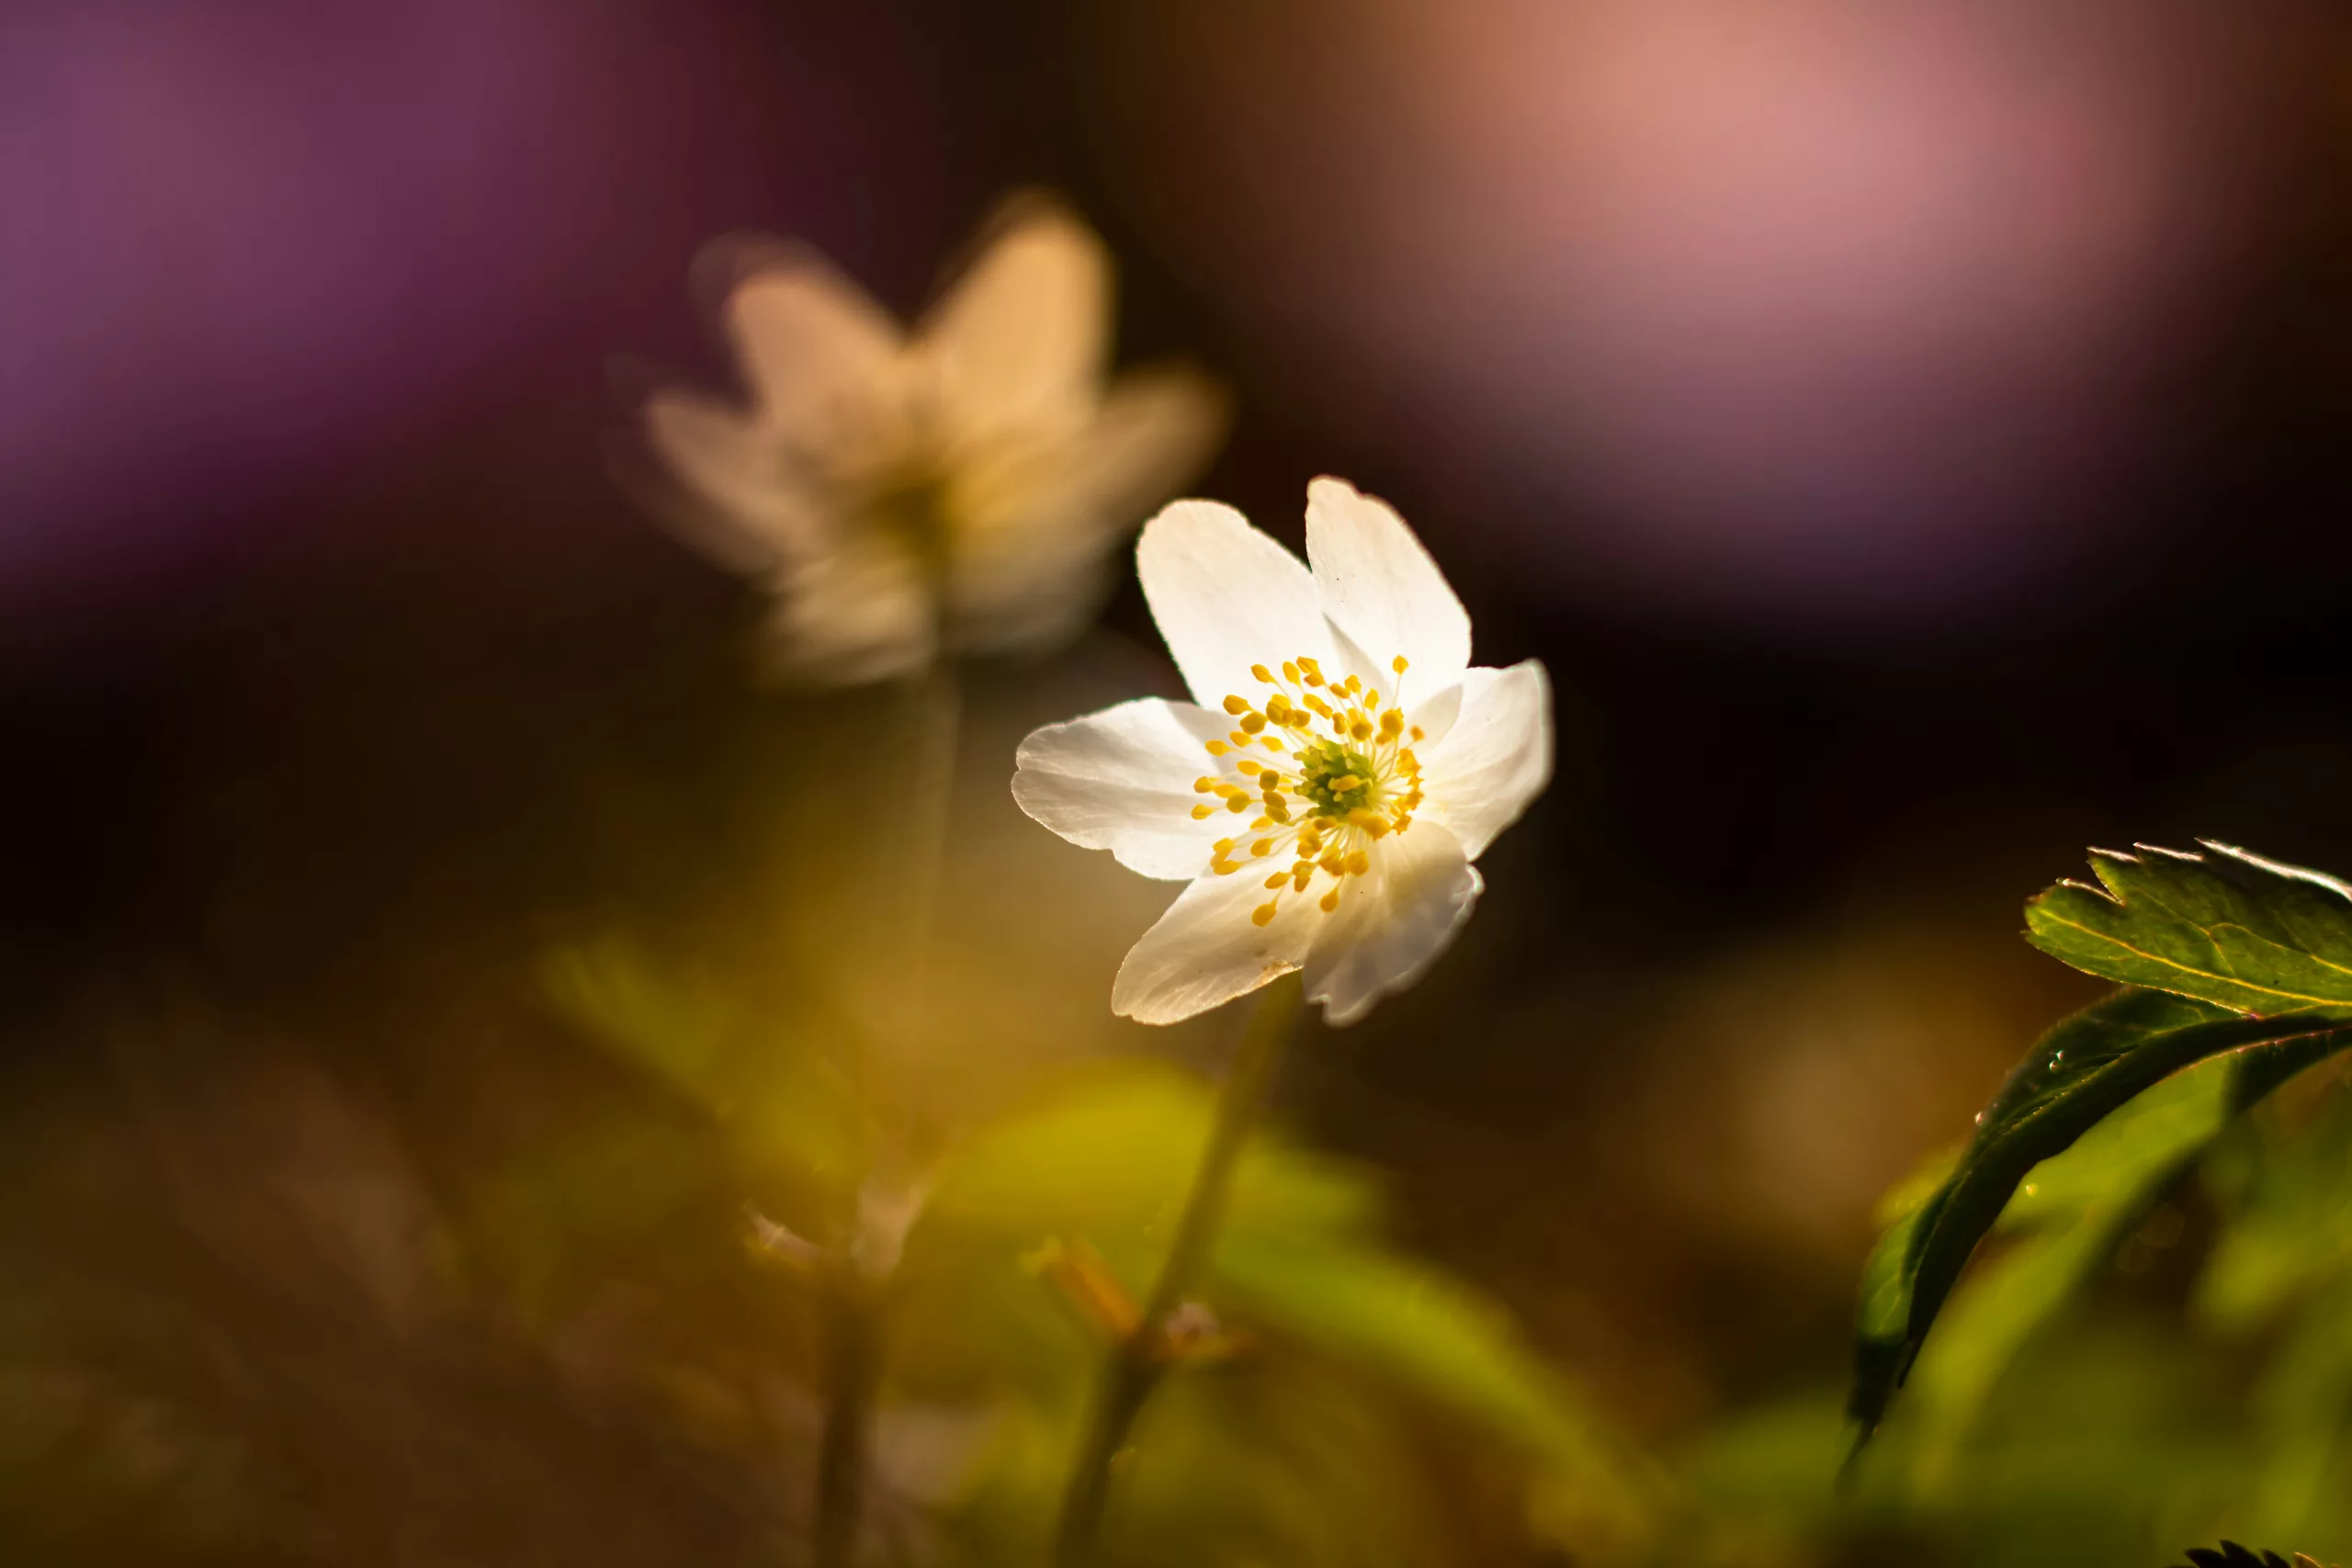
(1337, 779)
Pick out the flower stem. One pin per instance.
(1137, 1361)
(854, 1368)
(873, 1221)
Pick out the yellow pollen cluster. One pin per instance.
(1344, 777)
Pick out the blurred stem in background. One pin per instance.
(879, 1199)
(1137, 1362)
(853, 1374)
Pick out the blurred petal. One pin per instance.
(1496, 757)
(819, 357)
(745, 514)
(1381, 588)
(857, 614)
(1393, 922)
(1035, 528)
(999, 605)
(1020, 340)
(1122, 779)
(1226, 596)
(1206, 950)
(1154, 431)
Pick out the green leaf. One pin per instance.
(2072, 1213)
(677, 1029)
(1302, 1264)
(2288, 1230)
(1109, 1153)
(789, 1119)
(2083, 1070)
(1406, 1322)
(2223, 925)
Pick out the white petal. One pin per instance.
(1020, 341)
(1381, 588)
(1226, 596)
(1393, 922)
(1206, 950)
(819, 357)
(1496, 757)
(1122, 779)
(748, 514)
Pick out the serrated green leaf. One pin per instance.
(2083, 1070)
(2223, 925)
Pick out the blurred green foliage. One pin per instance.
(1308, 1439)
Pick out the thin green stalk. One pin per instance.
(1137, 1361)
(853, 1374)
(934, 725)
(856, 1290)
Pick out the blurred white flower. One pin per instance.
(952, 490)
(1356, 763)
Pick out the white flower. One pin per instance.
(1355, 764)
(953, 490)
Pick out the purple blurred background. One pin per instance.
(1813, 316)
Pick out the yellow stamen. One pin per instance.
(1263, 848)
(1236, 705)
(1263, 914)
(1330, 901)
(1201, 813)
(1218, 747)
(1399, 665)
